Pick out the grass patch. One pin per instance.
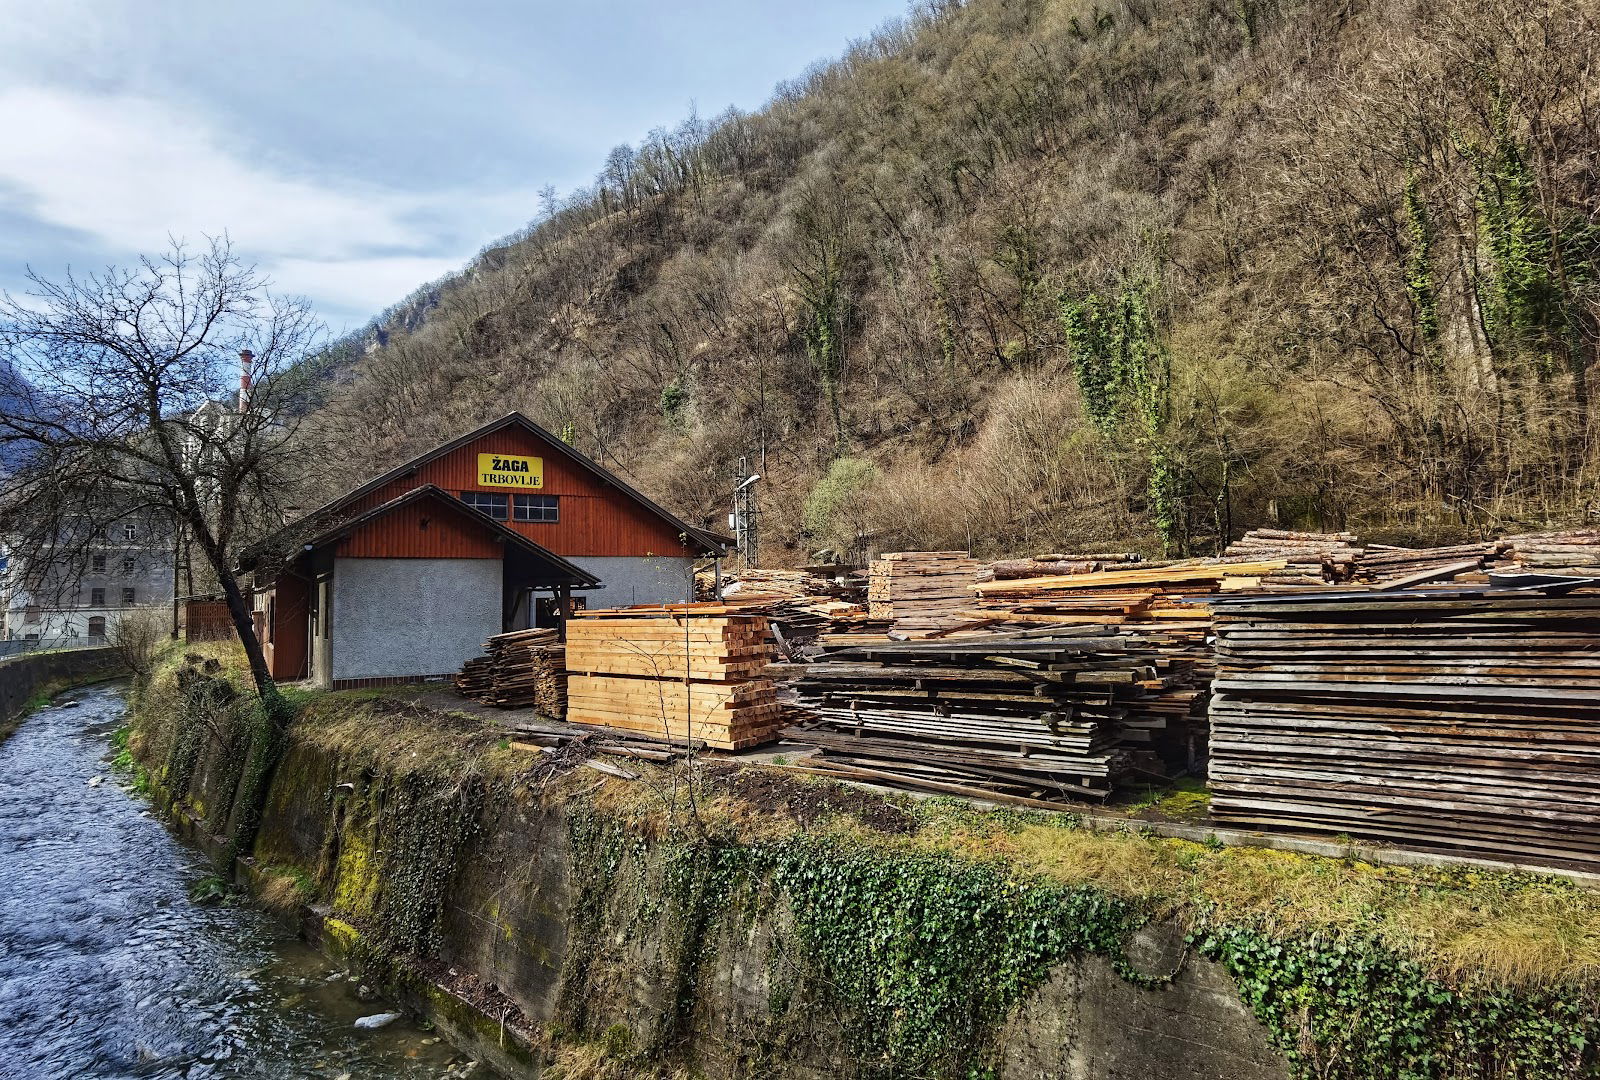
(125, 763)
(284, 889)
(1185, 799)
(1510, 928)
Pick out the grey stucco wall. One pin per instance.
(395, 617)
(628, 580)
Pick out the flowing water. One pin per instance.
(108, 969)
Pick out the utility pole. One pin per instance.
(744, 513)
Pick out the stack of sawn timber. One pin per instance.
(1464, 721)
(1144, 594)
(921, 590)
(1025, 717)
(523, 668)
(682, 677)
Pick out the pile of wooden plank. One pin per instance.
(1035, 718)
(523, 669)
(1148, 594)
(1463, 721)
(686, 675)
(921, 590)
(1310, 558)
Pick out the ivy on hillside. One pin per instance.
(1124, 373)
(1419, 261)
(1524, 309)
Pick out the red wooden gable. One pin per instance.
(596, 517)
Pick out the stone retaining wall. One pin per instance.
(21, 677)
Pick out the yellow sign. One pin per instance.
(507, 471)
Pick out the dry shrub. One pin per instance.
(138, 636)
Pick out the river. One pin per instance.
(108, 969)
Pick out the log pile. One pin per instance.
(1310, 558)
(1576, 552)
(677, 676)
(1392, 567)
(523, 669)
(1023, 718)
(1458, 721)
(920, 590)
(1053, 564)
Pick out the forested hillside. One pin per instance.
(1038, 275)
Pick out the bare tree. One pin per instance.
(121, 398)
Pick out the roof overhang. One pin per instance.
(557, 571)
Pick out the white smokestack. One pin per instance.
(246, 365)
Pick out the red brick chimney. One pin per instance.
(246, 363)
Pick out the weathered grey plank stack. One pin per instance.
(524, 668)
(1024, 717)
(921, 590)
(1457, 721)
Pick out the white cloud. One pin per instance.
(128, 171)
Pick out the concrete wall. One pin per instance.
(633, 580)
(399, 617)
(510, 919)
(22, 676)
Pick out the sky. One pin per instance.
(353, 150)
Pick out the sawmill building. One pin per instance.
(406, 576)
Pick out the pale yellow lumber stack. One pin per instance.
(674, 676)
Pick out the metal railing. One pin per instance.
(52, 644)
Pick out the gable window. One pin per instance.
(97, 598)
(128, 597)
(536, 508)
(97, 564)
(130, 532)
(495, 504)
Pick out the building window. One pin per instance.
(97, 598)
(537, 508)
(127, 566)
(97, 626)
(492, 503)
(127, 597)
(130, 532)
(98, 564)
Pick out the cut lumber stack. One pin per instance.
(1461, 721)
(921, 590)
(685, 676)
(1310, 558)
(525, 668)
(1145, 594)
(1023, 717)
